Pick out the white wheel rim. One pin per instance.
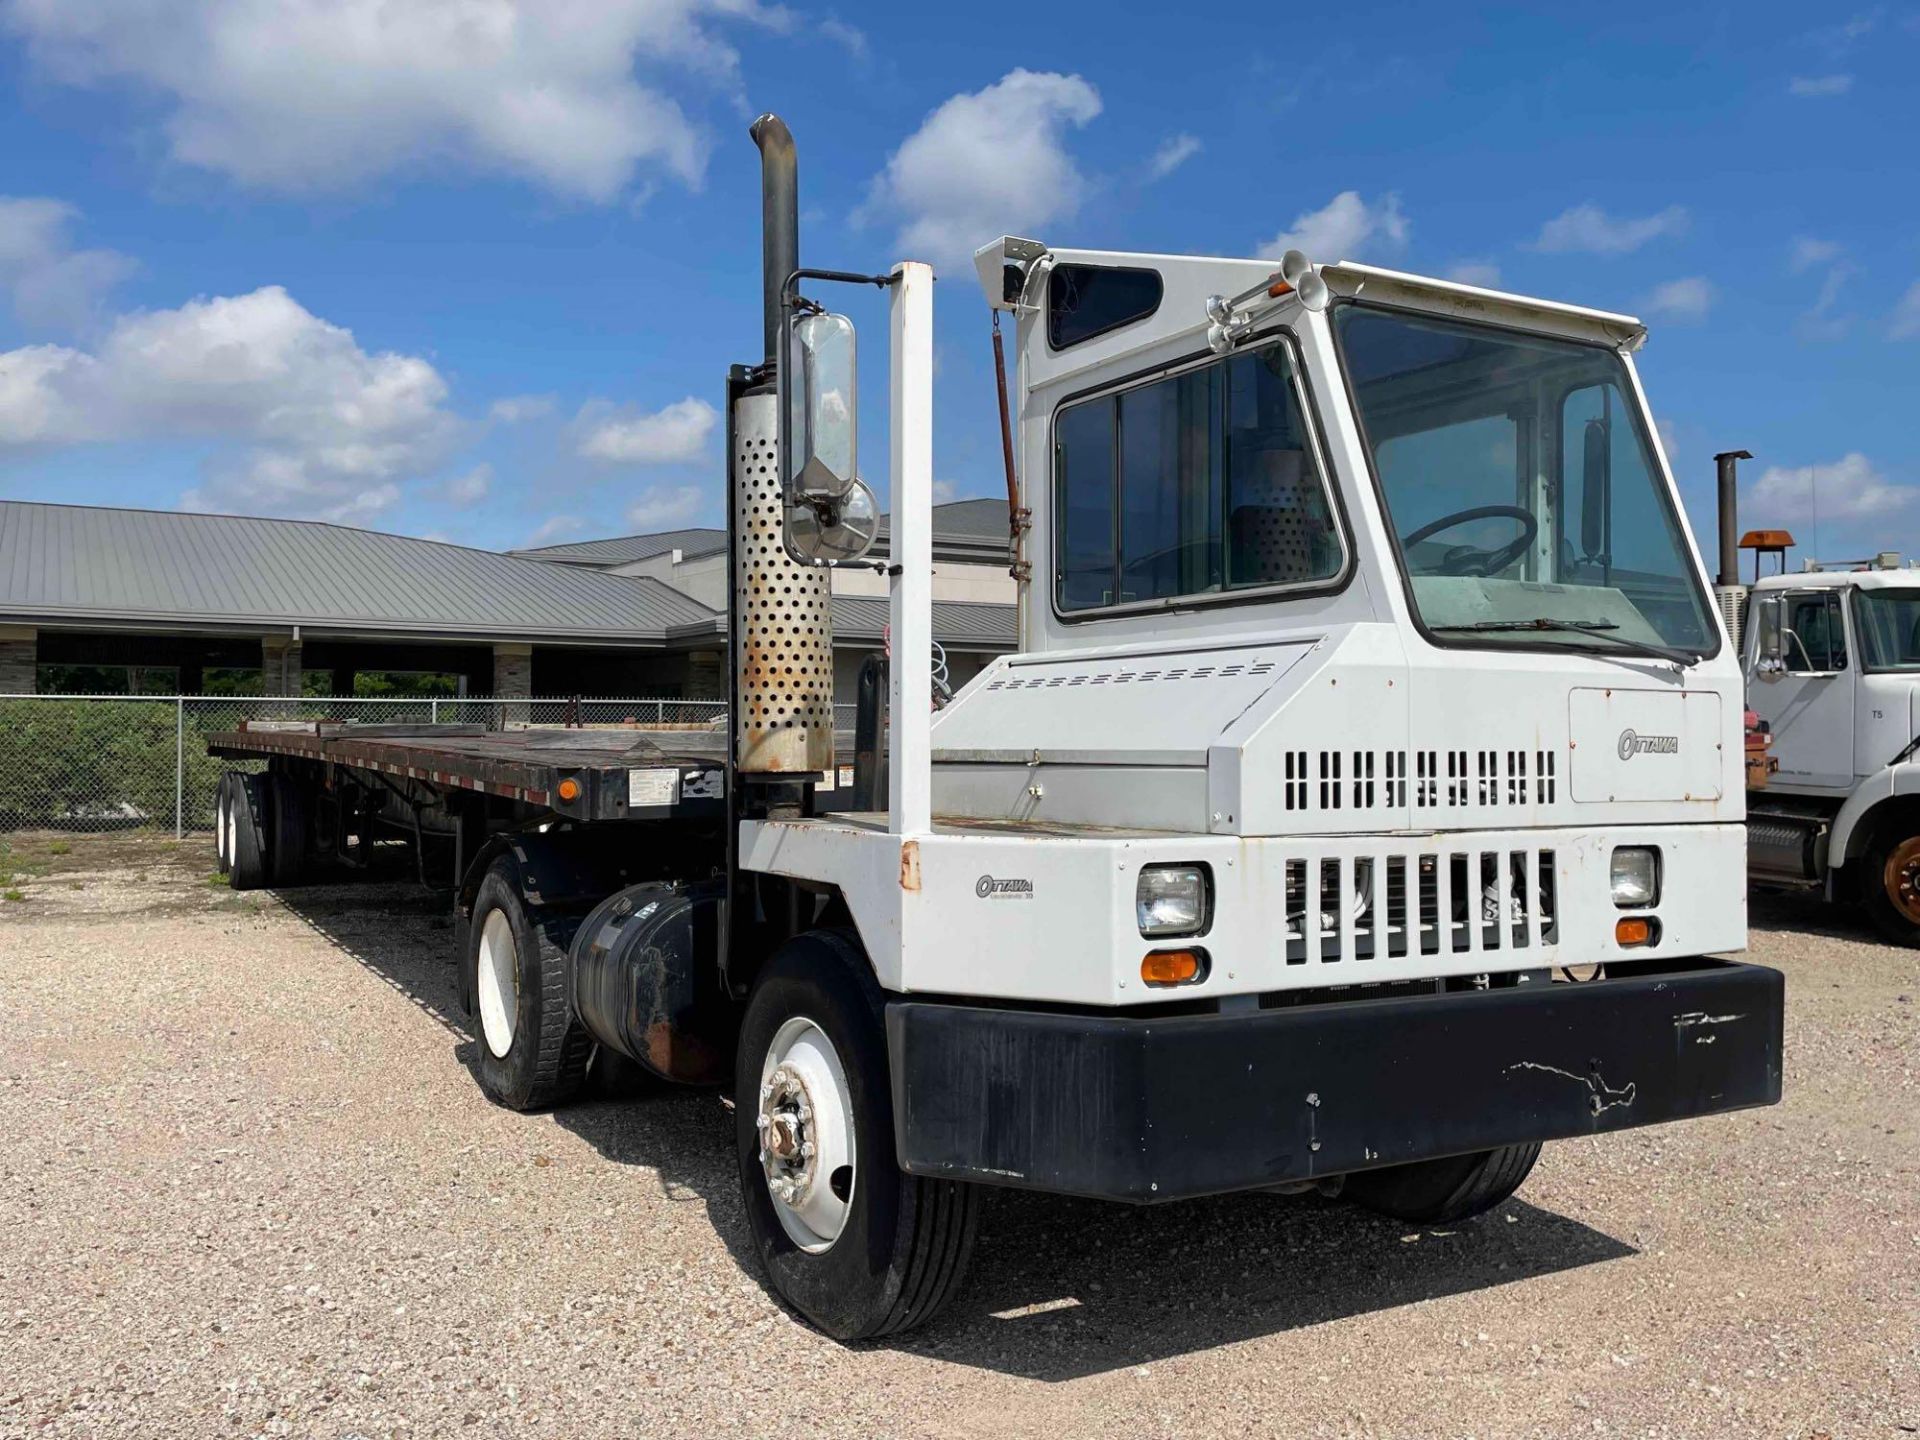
(224, 821)
(498, 983)
(807, 1150)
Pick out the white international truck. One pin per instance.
(1368, 689)
(1832, 657)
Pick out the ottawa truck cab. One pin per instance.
(1368, 688)
(1832, 656)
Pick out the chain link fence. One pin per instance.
(107, 762)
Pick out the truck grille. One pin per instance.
(1405, 905)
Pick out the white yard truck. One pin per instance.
(1833, 666)
(1368, 686)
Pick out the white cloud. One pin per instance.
(988, 163)
(1685, 299)
(676, 433)
(1341, 228)
(313, 95)
(1174, 152)
(1808, 252)
(945, 490)
(1819, 87)
(1904, 324)
(552, 530)
(1822, 320)
(1849, 488)
(666, 508)
(1483, 273)
(51, 285)
(1587, 229)
(514, 409)
(851, 37)
(470, 488)
(304, 421)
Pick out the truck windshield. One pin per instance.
(1521, 486)
(1889, 626)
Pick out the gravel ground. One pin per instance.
(248, 1187)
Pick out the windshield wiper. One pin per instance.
(1596, 628)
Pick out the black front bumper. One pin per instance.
(1159, 1109)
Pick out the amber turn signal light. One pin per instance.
(1635, 930)
(1172, 967)
(569, 789)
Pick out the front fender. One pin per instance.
(1889, 783)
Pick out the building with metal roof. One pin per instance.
(90, 595)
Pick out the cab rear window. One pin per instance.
(1088, 300)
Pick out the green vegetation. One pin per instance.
(12, 895)
(59, 847)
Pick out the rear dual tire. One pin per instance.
(857, 1246)
(532, 1052)
(248, 832)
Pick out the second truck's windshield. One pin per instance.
(1889, 623)
(1520, 484)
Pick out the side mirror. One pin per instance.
(831, 514)
(1769, 638)
(822, 408)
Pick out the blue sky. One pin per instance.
(475, 268)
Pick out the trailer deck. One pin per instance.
(616, 774)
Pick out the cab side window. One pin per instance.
(1816, 639)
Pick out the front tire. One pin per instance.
(849, 1240)
(1440, 1192)
(532, 1052)
(1890, 885)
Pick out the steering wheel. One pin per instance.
(1466, 559)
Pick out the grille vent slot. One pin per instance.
(1495, 902)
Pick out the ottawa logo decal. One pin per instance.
(988, 888)
(1633, 743)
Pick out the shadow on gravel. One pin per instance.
(1806, 913)
(1062, 1289)
(1059, 1288)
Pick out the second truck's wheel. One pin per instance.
(1439, 1192)
(223, 821)
(1890, 884)
(849, 1240)
(532, 1050)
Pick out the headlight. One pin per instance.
(1172, 900)
(1634, 876)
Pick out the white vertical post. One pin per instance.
(910, 587)
(179, 768)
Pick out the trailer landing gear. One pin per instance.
(853, 1243)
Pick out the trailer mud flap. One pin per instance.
(1159, 1109)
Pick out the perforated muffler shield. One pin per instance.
(785, 655)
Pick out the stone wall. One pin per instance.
(19, 657)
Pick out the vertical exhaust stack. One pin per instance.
(782, 621)
(1727, 590)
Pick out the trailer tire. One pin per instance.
(249, 810)
(289, 848)
(1439, 1192)
(531, 1051)
(1889, 884)
(223, 821)
(813, 1049)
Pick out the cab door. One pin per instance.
(1811, 701)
